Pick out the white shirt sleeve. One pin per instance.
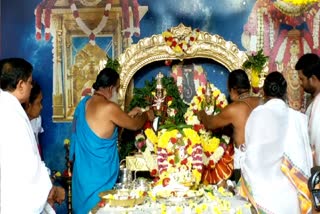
(36, 125)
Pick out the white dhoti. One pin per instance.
(278, 159)
(238, 157)
(313, 113)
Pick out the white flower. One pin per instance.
(205, 159)
(188, 114)
(226, 138)
(170, 147)
(193, 120)
(218, 154)
(184, 47)
(171, 112)
(140, 137)
(149, 145)
(205, 134)
(209, 110)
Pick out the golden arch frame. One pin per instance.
(155, 48)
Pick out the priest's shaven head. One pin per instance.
(238, 80)
(275, 85)
(12, 71)
(107, 77)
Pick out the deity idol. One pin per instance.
(159, 100)
(188, 78)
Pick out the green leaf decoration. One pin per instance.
(113, 64)
(143, 97)
(256, 61)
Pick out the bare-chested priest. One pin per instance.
(235, 114)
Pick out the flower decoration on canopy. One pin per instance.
(217, 152)
(301, 2)
(180, 44)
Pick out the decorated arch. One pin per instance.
(180, 43)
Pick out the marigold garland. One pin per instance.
(301, 2)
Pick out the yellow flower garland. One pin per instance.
(167, 141)
(255, 79)
(165, 137)
(301, 2)
(211, 145)
(151, 136)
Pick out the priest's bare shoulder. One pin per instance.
(236, 113)
(103, 115)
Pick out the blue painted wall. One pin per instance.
(225, 18)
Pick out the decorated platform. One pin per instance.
(209, 200)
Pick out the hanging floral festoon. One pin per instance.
(46, 6)
(91, 33)
(255, 63)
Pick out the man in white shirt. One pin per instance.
(308, 67)
(24, 179)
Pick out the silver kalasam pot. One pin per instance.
(125, 176)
